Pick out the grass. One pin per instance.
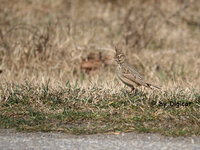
(57, 71)
(72, 109)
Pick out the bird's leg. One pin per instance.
(133, 90)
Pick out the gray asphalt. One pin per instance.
(10, 140)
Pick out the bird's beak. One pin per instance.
(115, 59)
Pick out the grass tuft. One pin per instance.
(28, 107)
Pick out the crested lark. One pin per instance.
(127, 74)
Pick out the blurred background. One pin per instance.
(74, 40)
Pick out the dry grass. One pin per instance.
(76, 110)
(71, 43)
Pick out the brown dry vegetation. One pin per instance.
(72, 41)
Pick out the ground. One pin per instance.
(126, 141)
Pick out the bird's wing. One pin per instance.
(135, 79)
(134, 76)
(133, 71)
(131, 74)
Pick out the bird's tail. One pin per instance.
(151, 85)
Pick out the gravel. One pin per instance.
(9, 140)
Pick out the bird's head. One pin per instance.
(119, 56)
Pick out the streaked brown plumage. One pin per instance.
(127, 74)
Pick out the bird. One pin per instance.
(128, 74)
